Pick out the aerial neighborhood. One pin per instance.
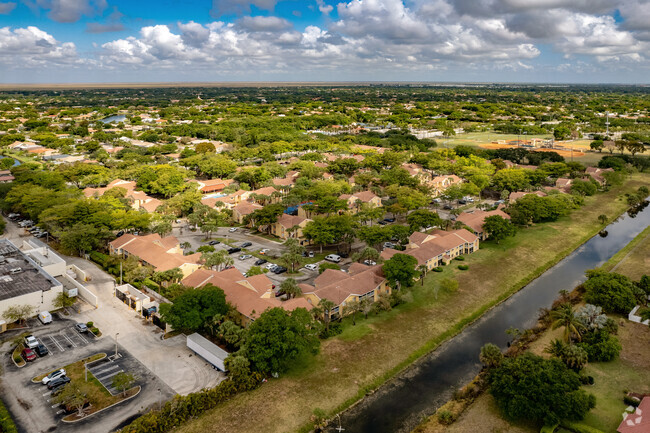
(226, 241)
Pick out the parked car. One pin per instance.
(28, 354)
(120, 233)
(54, 375)
(436, 200)
(259, 262)
(263, 251)
(31, 341)
(343, 254)
(382, 222)
(59, 381)
(41, 350)
(232, 229)
(333, 258)
(389, 245)
(447, 207)
(369, 262)
(279, 269)
(245, 257)
(41, 234)
(233, 250)
(461, 201)
(214, 243)
(270, 266)
(311, 254)
(246, 244)
(389, 220)
(311, 267)
(81, 327)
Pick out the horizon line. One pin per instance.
(270, 83)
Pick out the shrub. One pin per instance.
(90, 324)
(463, 267)
(445, 417)
(600, 346)
(437, 269)
(99, 258)
(631, 401)
(151, 284)
(95, 331)
(459, 258)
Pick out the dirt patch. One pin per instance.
(634, 338)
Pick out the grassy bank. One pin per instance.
(630, 372)
(373, 351)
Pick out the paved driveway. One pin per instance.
(169, 359)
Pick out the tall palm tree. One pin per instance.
(326, 306)
(423, 272)
(290, 287)
(564, 316)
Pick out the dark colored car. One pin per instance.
(260, 262)
(233, 250)
(120, 233)
(214, 243)
(447, 207)
(279, 270)
(389, 220)
(246, 244)
(41, 349)
(343, 255)
(59, 381)
(382, 222)
(28, 354)
(462, 201)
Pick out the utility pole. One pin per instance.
(120, 273)
(116, 334)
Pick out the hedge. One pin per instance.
(437, 269)
(99, 258)
(151, 284)
(182, 408)
(463, 267)
(6, 423)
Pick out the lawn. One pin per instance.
(366, 355)
(631, 372)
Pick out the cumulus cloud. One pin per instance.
(70, 11)
(324, 8)
(7, 7)
(264, 24)
(32, 47)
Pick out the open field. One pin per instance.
(374, 350)
(630, 372)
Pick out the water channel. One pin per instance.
(117, 118)
(401, 404)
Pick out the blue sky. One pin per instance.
(323, 40)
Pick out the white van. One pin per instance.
(45, 317)
(333, 258)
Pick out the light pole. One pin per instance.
(116, 334)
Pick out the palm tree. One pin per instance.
(290, 287)
(423, 272)
(556, 348)
(326, 306)
(575, 357)
(565, 317)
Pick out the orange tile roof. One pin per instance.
(638, 421)
(337, 285)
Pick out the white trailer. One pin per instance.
(207, 350)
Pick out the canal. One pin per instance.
(401, 404)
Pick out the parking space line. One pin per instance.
(80, 335)
(47, 393)
(69, 340)
(100, 371)
(109, 376)
(56, 343)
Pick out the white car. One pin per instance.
(333, 258)
(264, 251)
(31, 341)
(245, 257)
(271, 266)
(369, 262)
(311, 267)
(232, 229)
(54, 375)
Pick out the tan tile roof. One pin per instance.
(287, 221)
(247, 300)
(514, 196)
(154, 250)
(475, 220)
(267, 190)
(247, 208)
(338, 285)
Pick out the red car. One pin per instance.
(29, 354)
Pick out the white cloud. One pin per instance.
(32, 47)
(70, 11)
(264, 24)
(324, 8)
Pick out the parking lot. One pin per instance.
(64, 339)
(106, 369)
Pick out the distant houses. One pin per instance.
(138, 199)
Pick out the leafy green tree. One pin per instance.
(231, 333)
(62, 300)
(512, 179)
(367, 253)
(18, 313)
(491, 356)
(400, 270)
(278, 337)
(600, 346)
(324, 310)
(422, 218)
(544, 391)
(602, 218)
(498, 228)
(193, 309)
(614, 292)
(74, 395)
(330, 230)
(162, 179)
(123, 381)
(205, 147)
(575, 357)
(238, 367)
(374, 236)
(265, 217)
(82, 238)
(351, 308)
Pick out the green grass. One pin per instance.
(366, 355)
